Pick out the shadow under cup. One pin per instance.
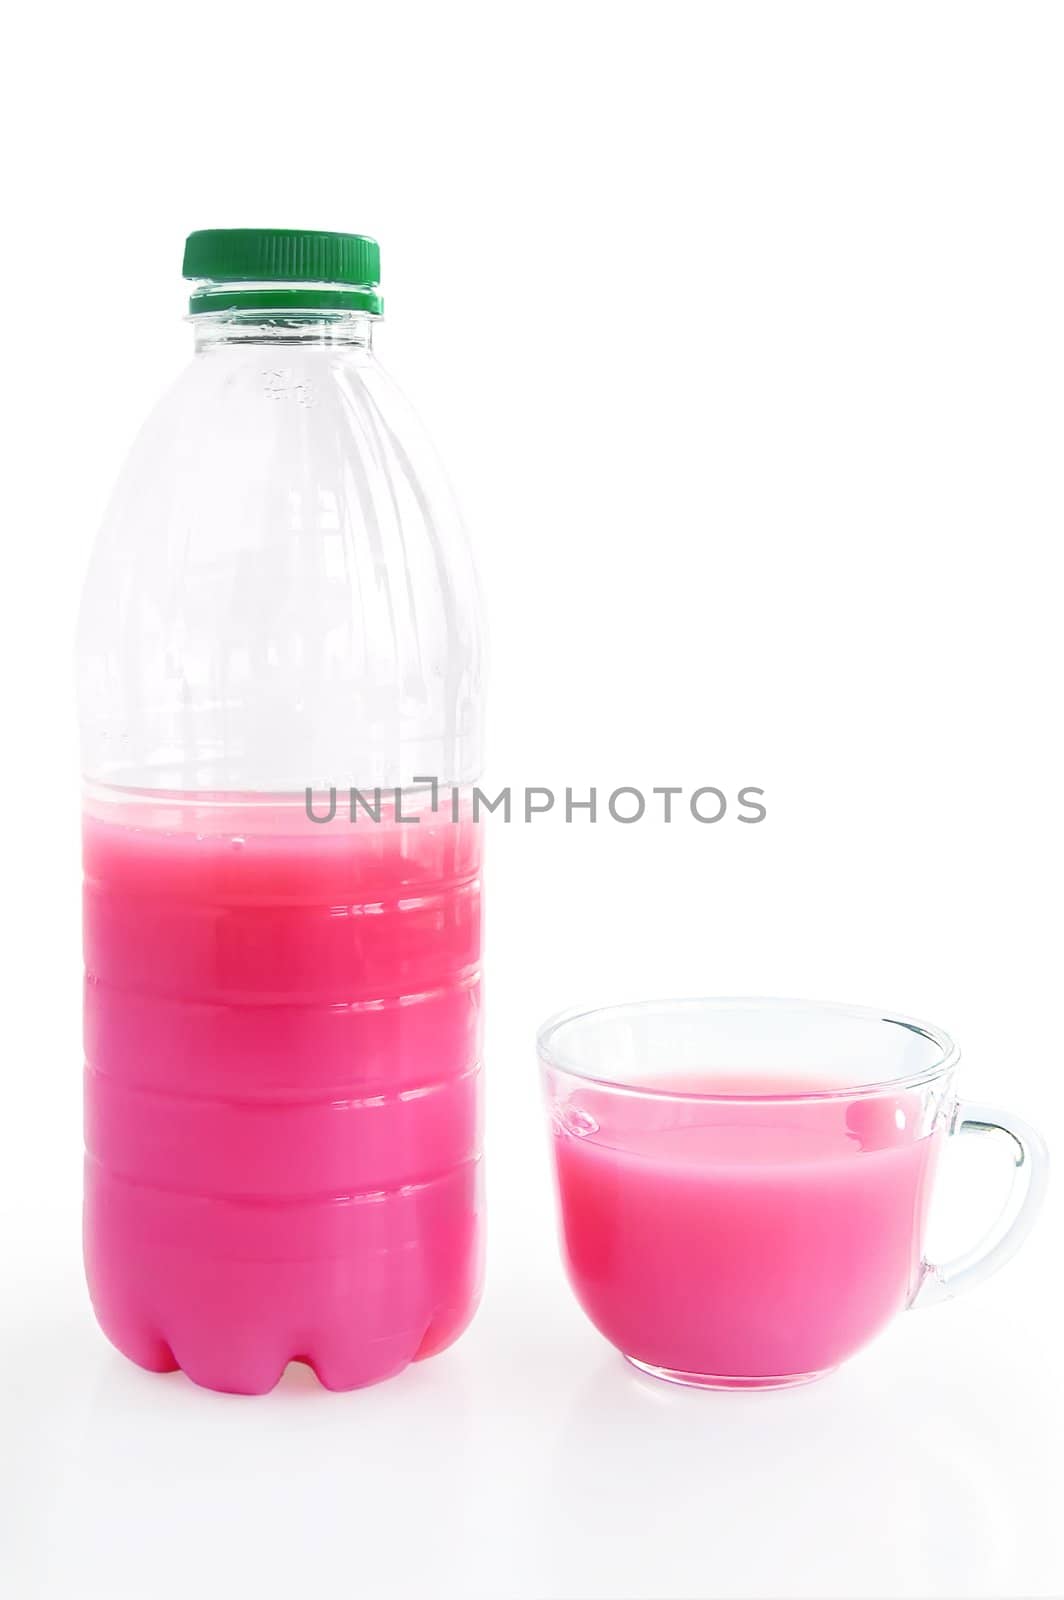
(744, 1185)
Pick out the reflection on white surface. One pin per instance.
(843, 1487)
(530, 1463)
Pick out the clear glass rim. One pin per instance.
(550, 1057)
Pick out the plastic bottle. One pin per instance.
(282, 1012)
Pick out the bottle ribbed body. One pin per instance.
(282, 1016)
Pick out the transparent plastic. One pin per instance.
(744, 1184)
(281, 594)
(282, 1018)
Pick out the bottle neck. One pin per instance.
(238, 325)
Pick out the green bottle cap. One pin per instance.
(311, 271)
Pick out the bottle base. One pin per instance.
(259, 1377)
(704, 1380)
(231, 1367)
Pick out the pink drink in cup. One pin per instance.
(744, 1185)
(282, 1062)
(737, 1241)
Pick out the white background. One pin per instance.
(740, 329)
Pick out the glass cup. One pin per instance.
(744, 1184)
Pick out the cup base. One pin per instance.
(705, 1380)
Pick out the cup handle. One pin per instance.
(1012, 1226)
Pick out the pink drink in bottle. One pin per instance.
(282, 979)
